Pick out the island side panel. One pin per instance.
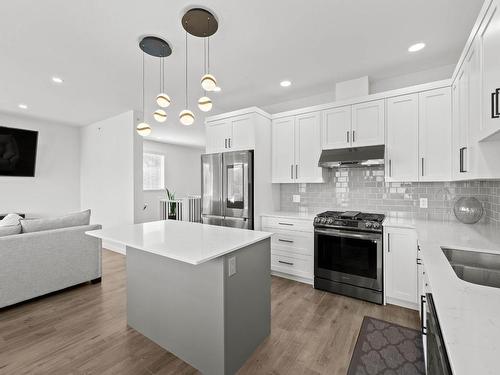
(179, 306)
(247, 302)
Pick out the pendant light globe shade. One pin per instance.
(208, 82)
(186, 117)
(160, 115)
(205, 104)
(163, 100)
(143, 129)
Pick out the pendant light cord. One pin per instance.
(143, 111)
(186, 68)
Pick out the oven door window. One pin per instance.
(351, 256)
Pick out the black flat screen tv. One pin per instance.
(17, 152)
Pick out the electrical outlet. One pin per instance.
(296, 198)
(231, 266)
(423, 203)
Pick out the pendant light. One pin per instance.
(186, 117)
(205, 103)
(208, 81)
(162, 99)
(160, 115)
(143, 128)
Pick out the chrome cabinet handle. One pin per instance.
(296, 171)
(287, 241)
(422, 315)
(353, 136)
(348, 136)
(287, 263)
(225, 142)
(289, 224)
(291, 171)
(229, 142)
(388, 242)
(495, 111)
(390, 168)
(422, 167)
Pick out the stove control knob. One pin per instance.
(316, 219)
(323, 220)
(376, 225)
(330, 221)
(368, 224)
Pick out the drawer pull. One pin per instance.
(282, 240)
(287, 263)
(289, 224)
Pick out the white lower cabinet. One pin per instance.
(292, 247)
(400, 267)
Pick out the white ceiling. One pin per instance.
(92, 45)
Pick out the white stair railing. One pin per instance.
(185, 209)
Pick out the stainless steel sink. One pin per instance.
(475, 267)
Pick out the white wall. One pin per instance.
(111, 161)
(55, 189)
(182, 174)
(376, 85)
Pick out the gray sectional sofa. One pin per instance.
(48, 255)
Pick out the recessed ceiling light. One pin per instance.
(217, 89)
(285, 83)
(23, 106)
(416, 47)
(57, 80)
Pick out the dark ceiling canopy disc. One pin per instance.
(200, 22)
(155, 46)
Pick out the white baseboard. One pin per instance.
(293, 277)
(397, 302)
(113, 246)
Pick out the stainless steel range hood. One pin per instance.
(352, 157)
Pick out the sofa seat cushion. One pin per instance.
(71, 220)
(10, 220)
(10, 230)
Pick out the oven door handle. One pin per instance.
(338, 233)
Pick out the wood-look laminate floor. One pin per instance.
(83, 330)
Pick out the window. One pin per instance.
(153, 167)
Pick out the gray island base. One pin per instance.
(200, 313)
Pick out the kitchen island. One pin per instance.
(202, 292)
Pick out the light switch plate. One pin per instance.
(231, 266)
(423, 203)
(296, 198)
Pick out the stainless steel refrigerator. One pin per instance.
(227, 189)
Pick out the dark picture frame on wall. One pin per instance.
(18, 151)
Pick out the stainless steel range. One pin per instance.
(348, 254)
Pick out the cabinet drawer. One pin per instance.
(292, 242)
(295, 266)
(287, 224)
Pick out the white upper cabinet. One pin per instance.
(355, 125)
(368, 124)
(283, 150)
(308, 148)
(435, 135)
(297, 148)
(242, 133)
(336, 128)
(217, 135)
(231, 134)
(489, 39)
(402, 138)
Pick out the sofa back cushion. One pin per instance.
(9, 230)
(71, 220)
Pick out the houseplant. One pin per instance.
(172, 206)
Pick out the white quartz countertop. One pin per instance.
(469, 314)
(192, 243)
(291, 215)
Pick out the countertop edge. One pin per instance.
(180, 259)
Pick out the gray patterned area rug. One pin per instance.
(384, 348)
